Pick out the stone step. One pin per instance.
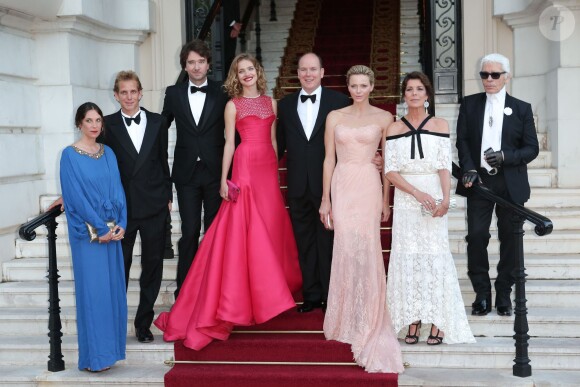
(275, 36)
(472, 377)
(539, 293)
(559, 242)
(560, 267)
(496, 353)
(120, 375)
(541, 321)
(34, 321)
(562, 218)
(268, 28)
(270, 48)
(35, 269)
(151, 375)
(35, 294)
(27, 350)
(538, 267)
(487, 353)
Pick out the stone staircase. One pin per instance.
(273, 38)
(410, 37)
(553, 287)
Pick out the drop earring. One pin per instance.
(426, 105)
(405, 106)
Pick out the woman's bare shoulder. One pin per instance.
(439, 125)
(395, 128)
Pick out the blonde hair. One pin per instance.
(128, 75)
(360, 70)
(232, 84)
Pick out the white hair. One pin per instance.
(497, 58)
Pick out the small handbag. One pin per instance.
(233, 191)
(93, 234)
(426, 212)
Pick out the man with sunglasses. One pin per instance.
(496, 139)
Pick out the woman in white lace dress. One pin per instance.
(422, 284)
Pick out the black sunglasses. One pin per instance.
(485, 75)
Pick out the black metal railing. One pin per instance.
(543, 226)
(26, 231)
(253, 7)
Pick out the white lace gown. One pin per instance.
(422, 280)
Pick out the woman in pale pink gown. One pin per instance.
(246, 268)
(357, 308)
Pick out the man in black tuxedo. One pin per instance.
(198, 110)
(301, 124)
(496, 139)
(139, 140)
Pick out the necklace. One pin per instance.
(97, 155)
(257, 96)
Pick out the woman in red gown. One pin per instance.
(246, 268)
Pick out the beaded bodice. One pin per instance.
(260, 107)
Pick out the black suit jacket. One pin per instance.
(205, 140)
(519, 142)
(305, 157)
(145, 175)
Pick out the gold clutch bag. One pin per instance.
(93, 235)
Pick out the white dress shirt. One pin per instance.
(492, 124)
(308, 111)
(196, 101)
(136, 131)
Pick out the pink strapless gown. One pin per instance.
(246, 267)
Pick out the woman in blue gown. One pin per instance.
(93, 194)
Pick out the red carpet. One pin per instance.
(283, 339)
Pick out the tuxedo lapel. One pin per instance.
(480, 114)
(296, 123)
(322, 112)
(210, 100)
(120, 133)
(184, 98)
(507, 120)
(151, 131)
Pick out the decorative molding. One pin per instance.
(529, 17)
(19, 23)
(84, 26)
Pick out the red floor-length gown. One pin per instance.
(246, 268)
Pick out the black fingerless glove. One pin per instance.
(494, 159)
(470, 177)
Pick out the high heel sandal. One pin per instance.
(438, 339)
(413, 338)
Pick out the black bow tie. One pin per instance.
(305, 98)
(137, 119)
(195, 89)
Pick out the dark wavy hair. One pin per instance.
(84, 109)
(232, 84)
(425, 81)
(197, 46)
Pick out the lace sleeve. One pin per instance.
(443, 160)
(391, 157)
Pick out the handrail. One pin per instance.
(544, 226)
(213, 11)
(26, 231)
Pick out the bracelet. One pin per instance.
(413, 192)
